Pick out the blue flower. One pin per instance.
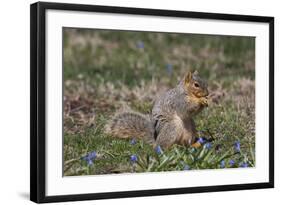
(243, 165)
(169, 68)
(90, 157)
(133, 141)
(237, 146)
(90, 162)
(133, 158)
(140, 45)
(158, 149)
(222, 164)
(231, 162)
(186, 167)
(201, 140)
(208, 145)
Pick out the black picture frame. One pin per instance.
(38, 100)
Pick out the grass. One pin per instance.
(106, 70)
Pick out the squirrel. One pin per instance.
(171, 121)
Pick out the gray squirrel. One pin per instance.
(171, 121)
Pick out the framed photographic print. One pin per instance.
(129, 102)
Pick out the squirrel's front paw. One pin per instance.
(204, 101)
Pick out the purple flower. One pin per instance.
(133, 158)
(90, 162)
(231, 162)
(237, 146)
(208, 145)
(222, 164)
(158, 149)
(169, 68)
(133, 141)
(140, 45)
(90, 157)
(186, 167)
(201, 140)
(243, 165)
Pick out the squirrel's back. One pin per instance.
(171, 102)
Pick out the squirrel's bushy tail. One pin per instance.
(131, 125)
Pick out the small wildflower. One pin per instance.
(134, 158)
(208, 145)
(140, 45)
(186, 167)
(243, 165)
(158, 150)
(237, 146)
(90, 157)
(201, 140)
(222, 164)
(133, 141)
(90, 162)
(231, 162)
(169, 68)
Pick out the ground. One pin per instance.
(107, 70)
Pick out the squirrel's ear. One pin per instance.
(195, 72)
(187, 77)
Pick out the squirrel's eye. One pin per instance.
(196, 85)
